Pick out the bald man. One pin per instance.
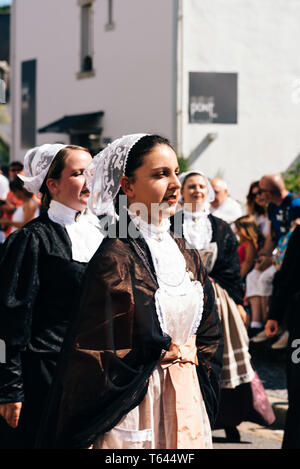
(283, 209)
(224, 206)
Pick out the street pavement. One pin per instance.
(253, 436)
(270, 366)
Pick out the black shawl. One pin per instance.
(39, 288)
(117, 343)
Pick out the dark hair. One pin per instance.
(18, 185)
(137, 153)
(55, 170)
(140, 149)
(253, 207)
(188, 176)
(16, 164)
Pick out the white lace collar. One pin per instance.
(195, 216)
(197, 229)
(62, 214)
(148, 230)
(84, 232)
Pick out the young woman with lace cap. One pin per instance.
(41, 270)
(217, 245)
(143, 368)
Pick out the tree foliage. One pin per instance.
(4, 153)
(5, 9)
(183, 164)
(292, 178)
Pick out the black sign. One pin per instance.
(213, 98)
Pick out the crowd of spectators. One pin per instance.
(272, 213)
(17, 206)
(269, 237)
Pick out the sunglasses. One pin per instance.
(261, 191)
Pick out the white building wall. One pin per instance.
(134, 66)
(258, 39)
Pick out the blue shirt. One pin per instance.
(282, 215)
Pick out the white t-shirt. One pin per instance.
(229, 210)
(263, 224)
(19, 216)
(4, 187)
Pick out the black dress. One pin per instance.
(285, 306)
(40, 286)
(117, 343)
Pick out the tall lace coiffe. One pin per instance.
(103, 174)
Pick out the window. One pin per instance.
(28, 103)
(86, 37)
(110, 23)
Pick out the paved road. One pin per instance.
(270, 366)
(252, 437)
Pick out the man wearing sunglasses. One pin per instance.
(283, 208)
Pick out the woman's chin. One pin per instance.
(164, 213)
(194, 206)
(168, 211)
(199, 206)
(81, 206)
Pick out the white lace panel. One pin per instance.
(197, 229)
(180, 314)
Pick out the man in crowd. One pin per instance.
(283, 210)
(11, 201)
(15, 168)
(224, 206)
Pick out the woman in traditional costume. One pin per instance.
(217, 245)
(41, 270)
(144, 363)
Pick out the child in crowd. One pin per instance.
(246, 230)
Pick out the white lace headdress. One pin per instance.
(103, 174)
(211, 194)
(37, 162)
